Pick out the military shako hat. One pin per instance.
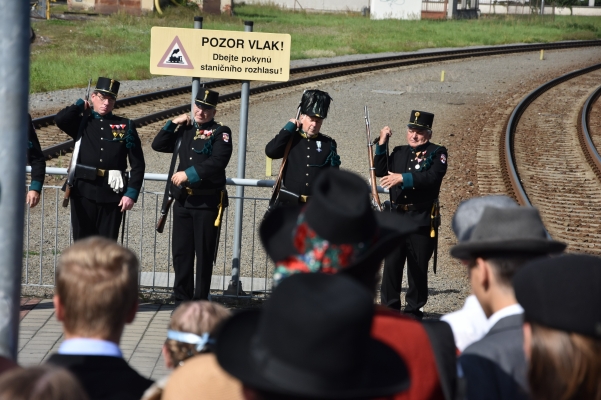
(420, 120)
(315, 103)
(207, 98)
(108, 86)
(542, 287)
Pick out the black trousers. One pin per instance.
(89, 218)
(194, 234)
(416, 249)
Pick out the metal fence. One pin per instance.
(48, 232)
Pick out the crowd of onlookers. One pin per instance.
(530, 330)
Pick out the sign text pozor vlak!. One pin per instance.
(220, 54)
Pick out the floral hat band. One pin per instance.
(316, 254)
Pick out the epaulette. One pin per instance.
(326, 136)
(219, 123)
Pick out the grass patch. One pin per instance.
(118, 46)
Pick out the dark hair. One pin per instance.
(506, 267)
(45, 382)
(564, 366)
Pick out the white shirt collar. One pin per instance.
(90, 347)
(513, 309)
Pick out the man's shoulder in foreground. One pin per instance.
(104, 377)
(495, 366)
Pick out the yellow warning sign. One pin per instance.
(207, 53)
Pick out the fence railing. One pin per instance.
(48, 232)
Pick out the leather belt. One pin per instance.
(414, 207)
(303, 198)
(201, 192)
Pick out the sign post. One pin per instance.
(195, 80)
(247, 56)
(234, 287)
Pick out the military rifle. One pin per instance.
(75, 155)
(375, 197)
(167, 197)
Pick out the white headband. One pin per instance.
(190, 338)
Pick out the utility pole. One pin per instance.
(14, 92)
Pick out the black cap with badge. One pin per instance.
(315, 103)
(421, 120)
(107, 86)
(207, 98)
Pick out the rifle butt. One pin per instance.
(67, 196)
(161, 223)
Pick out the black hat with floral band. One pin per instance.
(337, 230)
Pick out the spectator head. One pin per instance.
(501, 242)
(96, 289)
(44, 382)
(469, 212)
(201, 378)
(311, 340)
(191, 330)
(562, 326)
(337, 231)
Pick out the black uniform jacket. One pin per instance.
(108, 142)
(104, 377)
(306, 159)
(421, 185)
(35, 158)
(203, 159)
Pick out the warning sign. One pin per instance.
(207, 53)
(175, 56)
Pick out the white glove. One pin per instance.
(116, 180)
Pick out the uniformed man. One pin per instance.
(36, 159)
(101, 191)
(413, 173)
(311, 151)
(198, 187)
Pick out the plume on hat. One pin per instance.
(315, 103)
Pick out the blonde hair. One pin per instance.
(97, 284)
(44, 382)
(197, 317)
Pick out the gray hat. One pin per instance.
(508, 231)
(469, 212)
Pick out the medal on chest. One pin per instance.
(203, 134)
(318, 142)
(419, 157)
(118, 130)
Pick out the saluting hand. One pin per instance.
(295, 122)
(183, 119)
(391, 180)
(385, 133)
(179, 177)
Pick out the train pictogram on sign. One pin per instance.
(175, 56)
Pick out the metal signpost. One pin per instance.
(14, 89)
(246, 56)
(195, 80)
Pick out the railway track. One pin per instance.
(551, 160)
(142, 109)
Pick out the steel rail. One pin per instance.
(390, 62)
(590, 150)
(511, 175)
